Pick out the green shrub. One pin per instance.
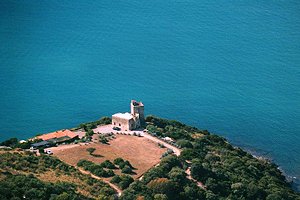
(125, 182)
(127, 170)
(117, 161)
(108, 164)
(116, 179)
(90, 150)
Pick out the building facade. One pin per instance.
(130, 121)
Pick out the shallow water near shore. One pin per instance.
(229, 67)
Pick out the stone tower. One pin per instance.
(137, 110)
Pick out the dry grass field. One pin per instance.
(141, 152)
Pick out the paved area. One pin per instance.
(109, 129)
(80, 133)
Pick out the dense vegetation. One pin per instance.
(19, 187)
(225, 171)
(23, 172)
(15, 143)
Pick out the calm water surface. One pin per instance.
(232, 67)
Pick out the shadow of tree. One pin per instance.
(96, 155)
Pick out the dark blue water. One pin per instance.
(232, 67)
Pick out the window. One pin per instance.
(119, 124)
(114, 123)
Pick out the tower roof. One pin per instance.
(136, 103)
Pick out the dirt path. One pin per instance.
(176, 150)
(200, 184)
(118, 190)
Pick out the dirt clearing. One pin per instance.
(141, 152)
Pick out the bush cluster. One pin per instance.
(122, 181)
(124, 165)
(95, 169)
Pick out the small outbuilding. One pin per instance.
(40, 144)
(59, 136)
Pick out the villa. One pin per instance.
(130, 121)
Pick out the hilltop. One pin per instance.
(168, 161)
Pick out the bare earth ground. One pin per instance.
(109, 129)
(141, 152)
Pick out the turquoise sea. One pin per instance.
(232, 67)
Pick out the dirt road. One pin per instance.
(176, 150)
(200, 184)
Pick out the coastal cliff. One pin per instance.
(206, 166)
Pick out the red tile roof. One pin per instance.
(57, 134)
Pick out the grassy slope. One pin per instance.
(48, 169)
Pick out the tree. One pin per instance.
(156, 172)
(116, 179)
(63, 196)
(105, 120)
(12, 142)
(198, 172)
(117, 161)
(89, 133)
(90, 150)
(125, 182)
(163, 186)
(107, 191)
(127, 170)
(274, 197)
(189, 154)
(160, 197)
(211, 196)
(170, 161)
(192, 192)
(128, 164)
(255, 192)
(184, 143)
(103, 139)
(177, 175)
(103, 197)
(108, 164)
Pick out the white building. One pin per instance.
(130, 121)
